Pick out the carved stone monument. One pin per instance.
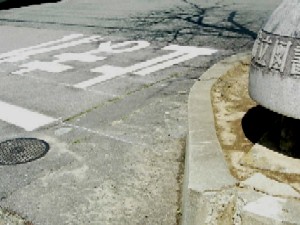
(274, 80)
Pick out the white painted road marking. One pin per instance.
(29, 120)
(120, 47)
(51, 67)
(56, 66)
(181, 54)
(25, 53)
(23, 118)
(187, 53)
(15, 53)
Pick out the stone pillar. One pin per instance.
(274, 80)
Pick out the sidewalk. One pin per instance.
(229, 180)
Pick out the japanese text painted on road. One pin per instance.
(177, 54)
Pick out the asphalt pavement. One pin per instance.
(106, 84)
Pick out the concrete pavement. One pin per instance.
(211, 195)
(117, 149)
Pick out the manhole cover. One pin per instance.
(22, 150)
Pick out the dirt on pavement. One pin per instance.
(230, 101)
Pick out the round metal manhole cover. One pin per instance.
(22, 150)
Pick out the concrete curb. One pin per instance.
(210, 193)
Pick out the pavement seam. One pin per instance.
(104, 135)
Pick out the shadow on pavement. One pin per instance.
(9, 4)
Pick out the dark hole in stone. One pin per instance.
(272, 130)
(22, 150)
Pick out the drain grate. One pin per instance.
(22, 150)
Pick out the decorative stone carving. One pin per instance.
(274, 80)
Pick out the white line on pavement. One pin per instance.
(23, 118)
(22, 54)
(35, 47)
(181, 54)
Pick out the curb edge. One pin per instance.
(207, 180)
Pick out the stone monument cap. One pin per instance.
(274, 80)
